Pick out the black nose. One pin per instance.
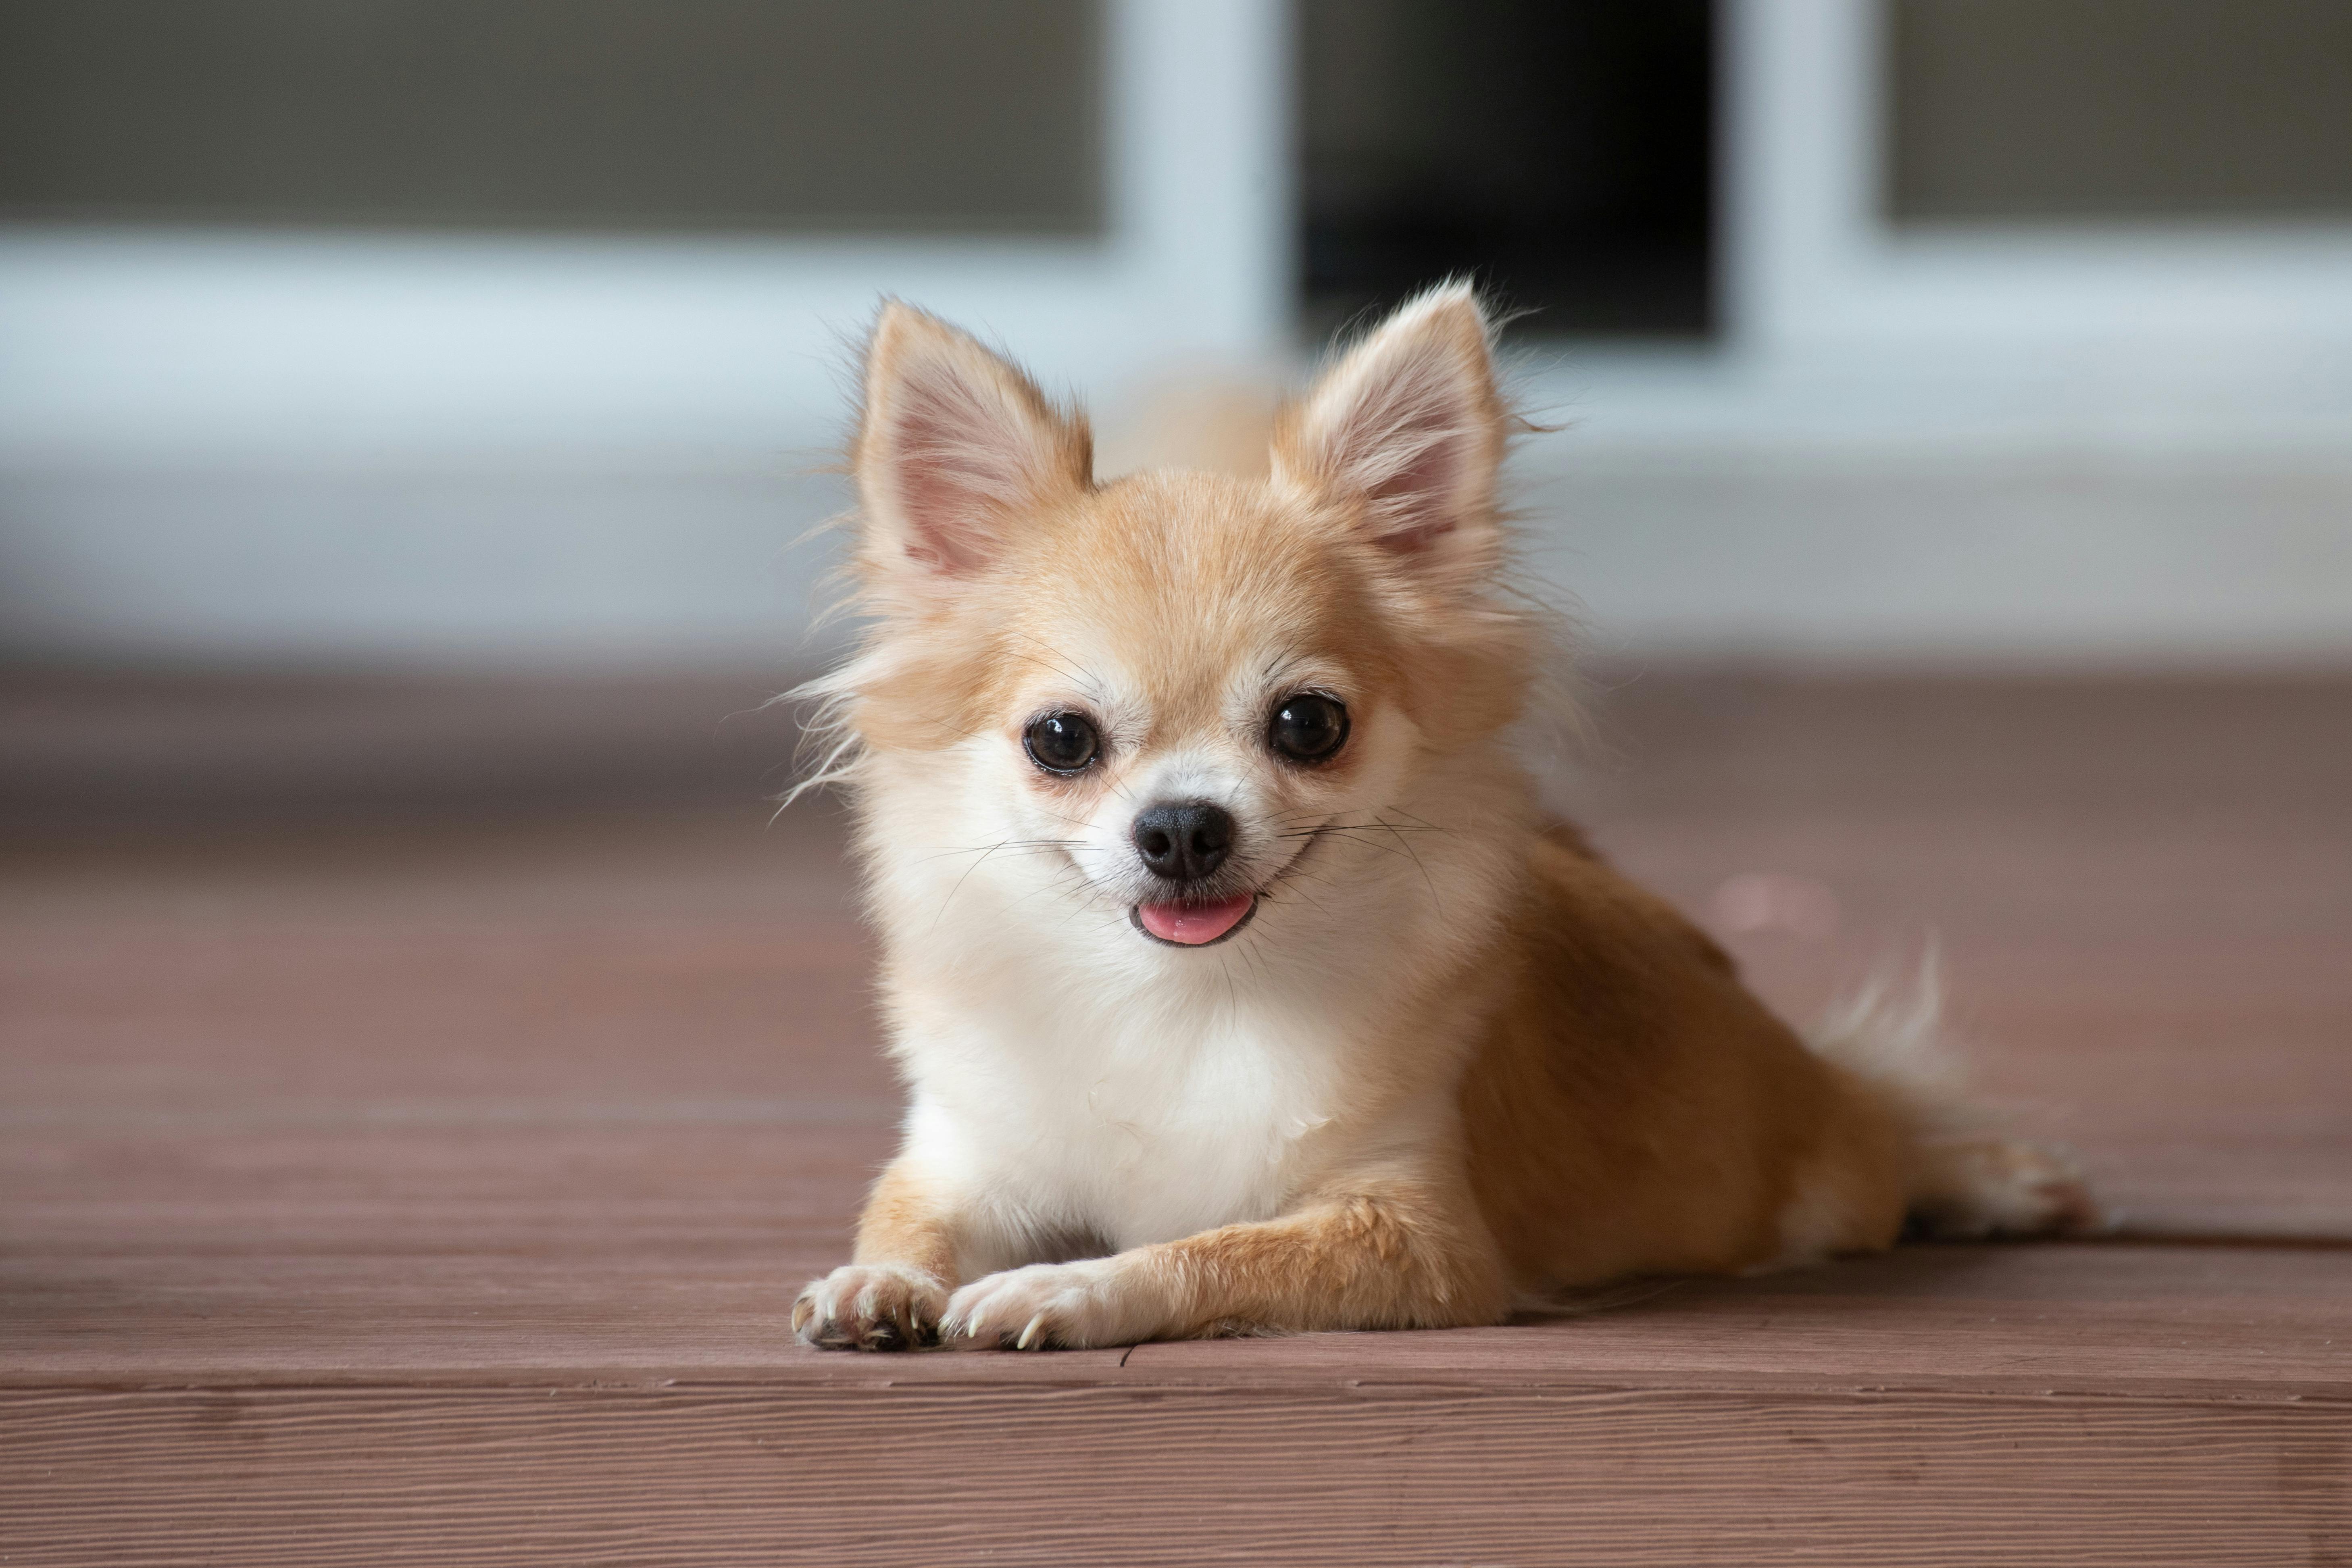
(1185, 843)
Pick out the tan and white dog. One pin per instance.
(1238, 982)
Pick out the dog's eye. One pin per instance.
(1062, 743)
(1308, 728)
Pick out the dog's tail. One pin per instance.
(1965, 1174)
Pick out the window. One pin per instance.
(2035, 110)
(885, 116)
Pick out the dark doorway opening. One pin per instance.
(1560, 151)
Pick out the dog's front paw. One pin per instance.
(1052, 1306)
(870, 1307)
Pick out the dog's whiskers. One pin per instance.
(984, 849)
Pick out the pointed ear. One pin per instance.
(1408, 428)
(955, 448)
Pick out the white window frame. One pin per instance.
(2221, 315)
(173, 345)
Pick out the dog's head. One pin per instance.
(1178, 699)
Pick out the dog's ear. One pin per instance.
(1409, 429)
(955, 447)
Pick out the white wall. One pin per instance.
(233, 445)
(2085, 447)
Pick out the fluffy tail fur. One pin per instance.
(1966, 1175)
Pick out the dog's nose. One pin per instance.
(1185, 843)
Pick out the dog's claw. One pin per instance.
(870, 1307)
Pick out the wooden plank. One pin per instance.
(104, 754)
(2142, 1321)
(1133, 1473)
(408, 1192)
(639, 1251)
(2197, 1049)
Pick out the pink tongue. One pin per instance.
(1193, 924)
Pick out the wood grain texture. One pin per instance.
(379, 1187)
(1078, 1472)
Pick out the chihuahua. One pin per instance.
(1239, 983)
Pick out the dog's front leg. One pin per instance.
(1371, 1256)
(893, 1292)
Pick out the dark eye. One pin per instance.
(1308, 728)
(1062, 743)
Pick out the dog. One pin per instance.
(1239, 983)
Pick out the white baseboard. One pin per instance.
(2063, 562)
(530, 568)
(1671, 553)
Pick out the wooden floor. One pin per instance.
(424, 1185)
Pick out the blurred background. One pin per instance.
(411, 412)
(403, 352)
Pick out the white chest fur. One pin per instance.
(1128, 1125)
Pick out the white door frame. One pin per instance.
(257, 350)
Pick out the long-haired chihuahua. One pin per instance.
(1239, 983)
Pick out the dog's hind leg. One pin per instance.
(1964, 1174)
(1993, 1185)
